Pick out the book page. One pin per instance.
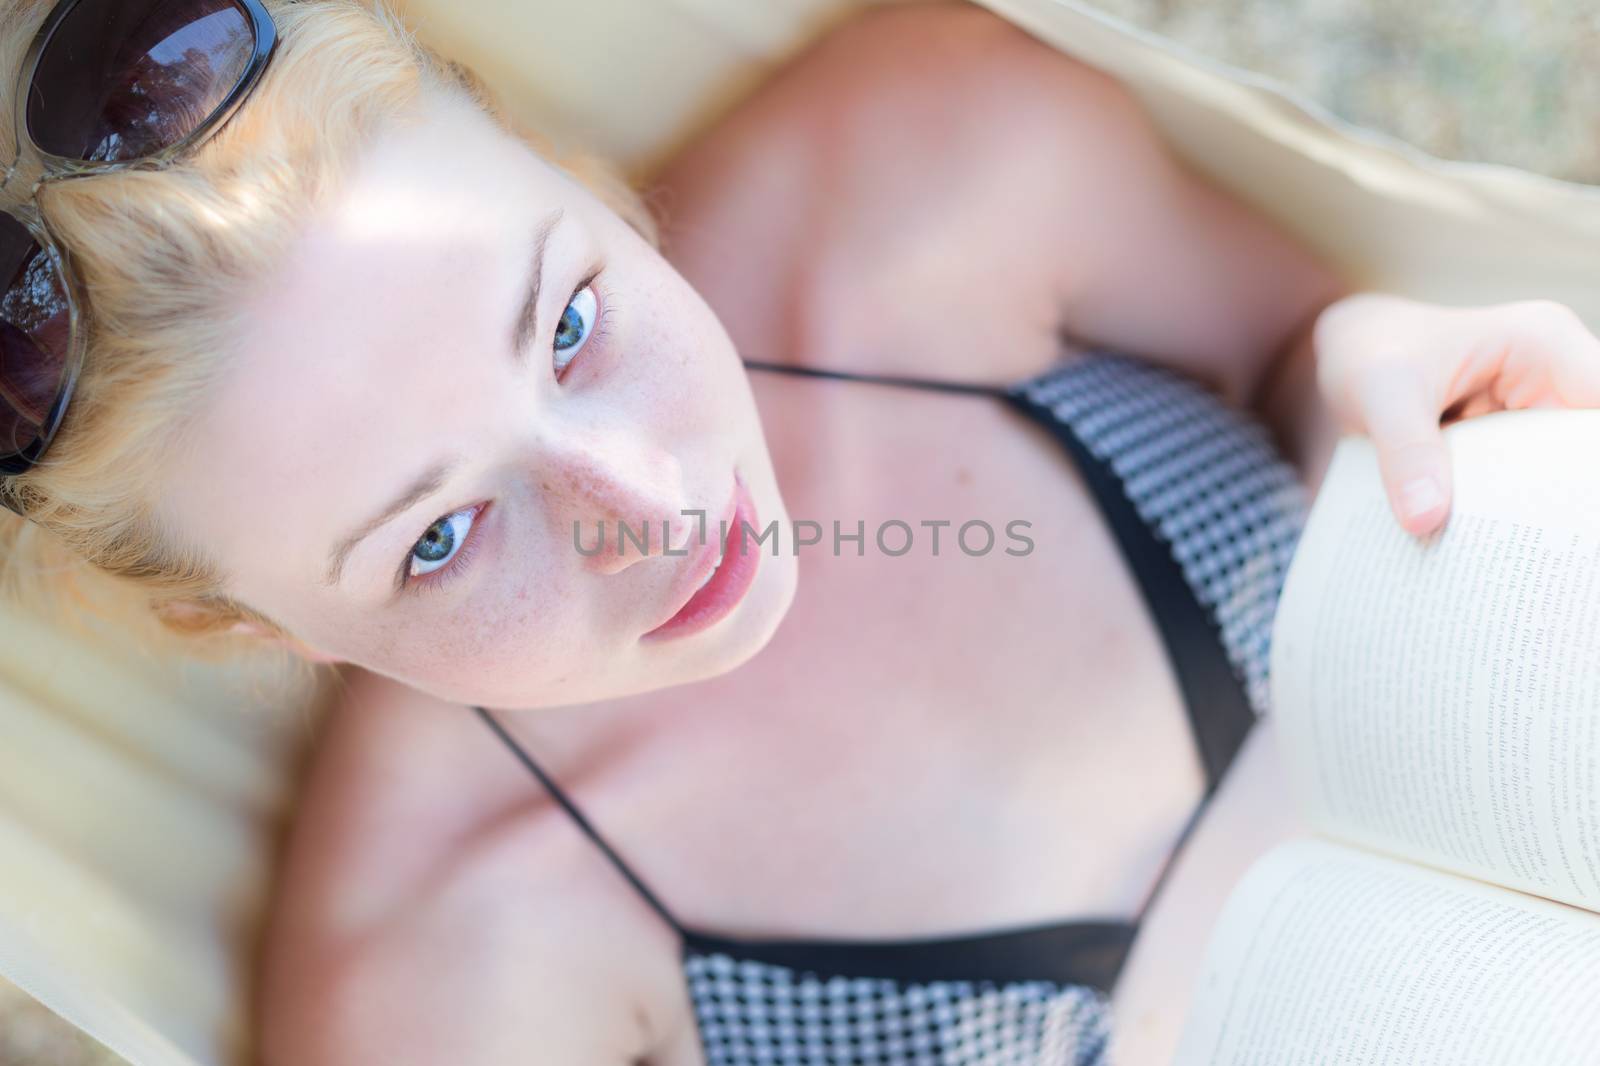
(1331, 955)
(1439, 699)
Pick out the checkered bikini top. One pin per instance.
(1206, 513)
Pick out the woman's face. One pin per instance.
(465, 357)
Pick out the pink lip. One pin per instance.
(705, 607)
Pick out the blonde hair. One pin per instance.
(166, 255)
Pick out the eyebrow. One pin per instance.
(527, 324)
(432, 479)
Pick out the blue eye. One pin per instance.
(577, 322)
(441, 543)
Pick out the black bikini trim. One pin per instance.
(1218, 708)
(1075, 953)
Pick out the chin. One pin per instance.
(776, 597)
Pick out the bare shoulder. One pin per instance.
(928, 189)
(489, 960)
(882, 195)
(907, 85)
(406, 930)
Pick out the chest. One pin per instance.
(938, 737)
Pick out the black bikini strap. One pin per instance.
(583, 823)
(930, 384)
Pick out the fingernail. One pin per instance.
(1420, 496)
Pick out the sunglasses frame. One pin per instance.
(48, 168)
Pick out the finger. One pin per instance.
(1402, 418)
(1577, 371)
(1552, 359)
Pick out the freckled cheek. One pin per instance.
(515, 640)
(537, 621)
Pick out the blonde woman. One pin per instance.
(803, 640)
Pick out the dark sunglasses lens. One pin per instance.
(35, 323)
(124, 79)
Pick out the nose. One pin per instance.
(617, 498)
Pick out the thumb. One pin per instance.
(1402, 418)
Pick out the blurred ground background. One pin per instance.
(1500, 81)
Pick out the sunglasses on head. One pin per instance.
(106, 85)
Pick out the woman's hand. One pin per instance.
(1396, 369)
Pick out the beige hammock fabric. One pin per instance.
(140, 801)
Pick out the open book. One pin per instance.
(1438, 703)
